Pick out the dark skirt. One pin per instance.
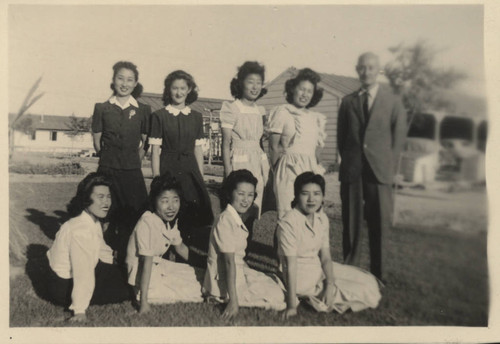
(129, 188)
(197, 217)
(184, 168)
(110, 286)
(131, 200)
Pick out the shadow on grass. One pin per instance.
(37, 269)
(49, 225)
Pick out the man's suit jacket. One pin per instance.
(381, 139)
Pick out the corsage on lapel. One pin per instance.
(131, 113)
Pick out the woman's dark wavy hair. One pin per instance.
(305, 74)
(304, 179)
(136, 93)
(231, 183)
(176, 75)
(161, 184)
(249, 67)
(82, 198)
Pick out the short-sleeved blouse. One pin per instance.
(176, 130)
(304, 128)
(245, 121)
(121, 132)
(228, 235)
(152, 238)
(296, 236)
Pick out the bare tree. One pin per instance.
(29, 100)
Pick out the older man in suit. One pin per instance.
(371, 130)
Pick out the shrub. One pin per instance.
(63, 168)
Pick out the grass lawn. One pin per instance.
(436, 276)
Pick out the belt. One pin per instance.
(178, 153)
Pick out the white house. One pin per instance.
(48, 133)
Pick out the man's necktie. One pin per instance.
(366, 111)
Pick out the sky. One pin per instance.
(73, 47)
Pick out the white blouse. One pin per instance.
(151, 238)
(78, 247)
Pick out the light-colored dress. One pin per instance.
(247, 127)
(356, 289)
(254, 288)
(302, 131)
(170, 281)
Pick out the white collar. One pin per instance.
(317, 217)
(167, 225)
(85, 216)
(372, 91)
(246, 108)
(175, 111)
(166, 229)
(236, 216)
(296, 111)
(130, 101)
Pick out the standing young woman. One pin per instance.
(120, 127)
(295, 135)
(243, 126)
(177, 131)
(304, 250)
(81, 264)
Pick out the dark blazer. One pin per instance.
(381, 139)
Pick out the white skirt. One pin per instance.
(355, 289)
(254, 289)
(174, 282)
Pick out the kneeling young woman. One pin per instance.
(228, 278)
(304, 250)
(154, 278)
(82, 269)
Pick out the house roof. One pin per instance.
(46, 122)
(201, 104)
(343, 84)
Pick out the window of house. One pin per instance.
(53, 136)
(33, 135)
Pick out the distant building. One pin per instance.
(335, 87)
(48, 133)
